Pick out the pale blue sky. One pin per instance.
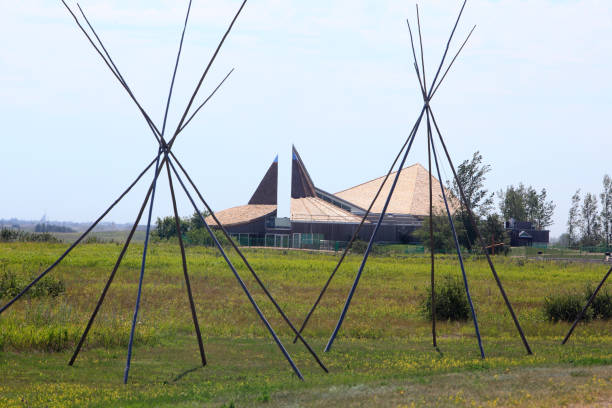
(531, 91)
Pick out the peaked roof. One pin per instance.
(411, 196)
(301, 183)
(266, 192)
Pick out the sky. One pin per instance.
(531, 92)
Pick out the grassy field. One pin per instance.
(383, 356)
(104, 236)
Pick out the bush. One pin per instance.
(11, 235)
(93, 239)
(451, 301)
(202, 237)
(11, 285)
(602, 304)
(565, 307)
(359, 247)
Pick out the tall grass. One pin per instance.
(387, 304)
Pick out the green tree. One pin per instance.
(492, 231)
(539, 211)
(526, 204)
(574, 221)
(166, 227)
(590, 220)
(513, 203)
(196, 222)
(606, 209)
(443, 240)
(472, 176)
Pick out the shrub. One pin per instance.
(451, 300)
(202, 237)
(11, 235)
(359, 247)
(93, 239)
(565, 307)
(11, 285)
(602, 304)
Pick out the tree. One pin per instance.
(166, 227)
(472, 175)
(513, 203)
(606, 209)
(540, 211)
(526, 204)
(442, 233)
(590, 220)
(493, 231)
(196, 222)
(574, 222)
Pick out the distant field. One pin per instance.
(116, 236)
(556, 253)
(383, 356)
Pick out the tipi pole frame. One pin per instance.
(456, 240)
(78, 240)
(479, 237)
(371, 242)
(164, 148)
(427, 98)
(238, 278)
(583, 311)
(364, 218)
(248, 265)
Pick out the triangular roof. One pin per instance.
(301, 183)
(411, 196)
(267, 191)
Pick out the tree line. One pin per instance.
(587, 224)
(193, 230)
(522, 203)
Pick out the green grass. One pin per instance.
(382, 357)
(555, 253)
(106, 236)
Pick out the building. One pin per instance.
(320, 219)
(522, 233)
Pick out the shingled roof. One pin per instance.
(314, 209)
(242, 214)
(411, 196)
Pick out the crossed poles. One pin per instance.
(427, 93)
(165, 157)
